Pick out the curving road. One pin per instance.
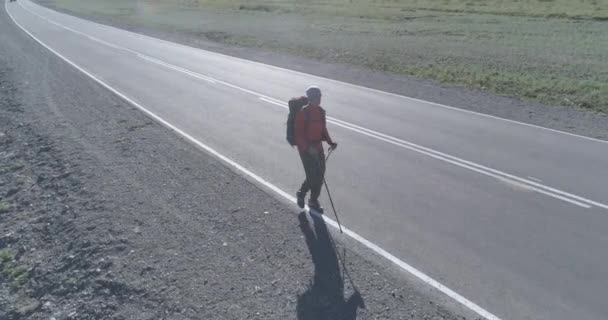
(511, 216)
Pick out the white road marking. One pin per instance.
(275, 102)
(414, 147)
(106, 43)
(521, 186)
(503, 177)
(188, 72)
(336, 81)
(406, 267)
(535, 179)
(546, 190)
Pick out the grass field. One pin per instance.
(551, 51)
(394, 9)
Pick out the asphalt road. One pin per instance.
(510, 216)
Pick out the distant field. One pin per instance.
(551, 51)
(393, 9)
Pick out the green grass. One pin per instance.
(592, 9)
(16, 275)
(549, 51)
(4, 207)
(5, 257)
(583, 94)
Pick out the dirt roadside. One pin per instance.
(105, 214)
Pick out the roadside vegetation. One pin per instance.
(11, 271)
(382, 9)
(4, 207)
(549, 51)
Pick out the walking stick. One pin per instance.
(331, 201)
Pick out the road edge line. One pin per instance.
(467, 164)
(344, 83)
(403, 265)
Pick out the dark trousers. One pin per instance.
(314, 166)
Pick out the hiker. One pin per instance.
(309, 132)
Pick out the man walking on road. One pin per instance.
(309, 133)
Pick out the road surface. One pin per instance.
(510, 216)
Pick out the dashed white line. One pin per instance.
(139, 35)
(502, 176)
(417, 273)
(440, 156)
(188, 72)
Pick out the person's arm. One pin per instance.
(300, 131)
(325, 135)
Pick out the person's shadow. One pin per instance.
(324, 299)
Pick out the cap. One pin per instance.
(313, 92)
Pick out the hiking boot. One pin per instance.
(300, 195)
(315, 206)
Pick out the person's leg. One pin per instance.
(306, 185)
(317, 180)
(309, 170)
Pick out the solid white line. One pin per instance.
(435, 154)
(111, 45)
(332, 80)
(473, 164)
(417, 273)
(276, 103)
(462, 165)
(106, 43)
(561, 195)
(188, 72)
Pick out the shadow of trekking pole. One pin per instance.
(325, 297)
(331, 201)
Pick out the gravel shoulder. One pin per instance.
(105, 214)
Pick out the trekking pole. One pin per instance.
(342, 260)
(328, 154)
(331, 201)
